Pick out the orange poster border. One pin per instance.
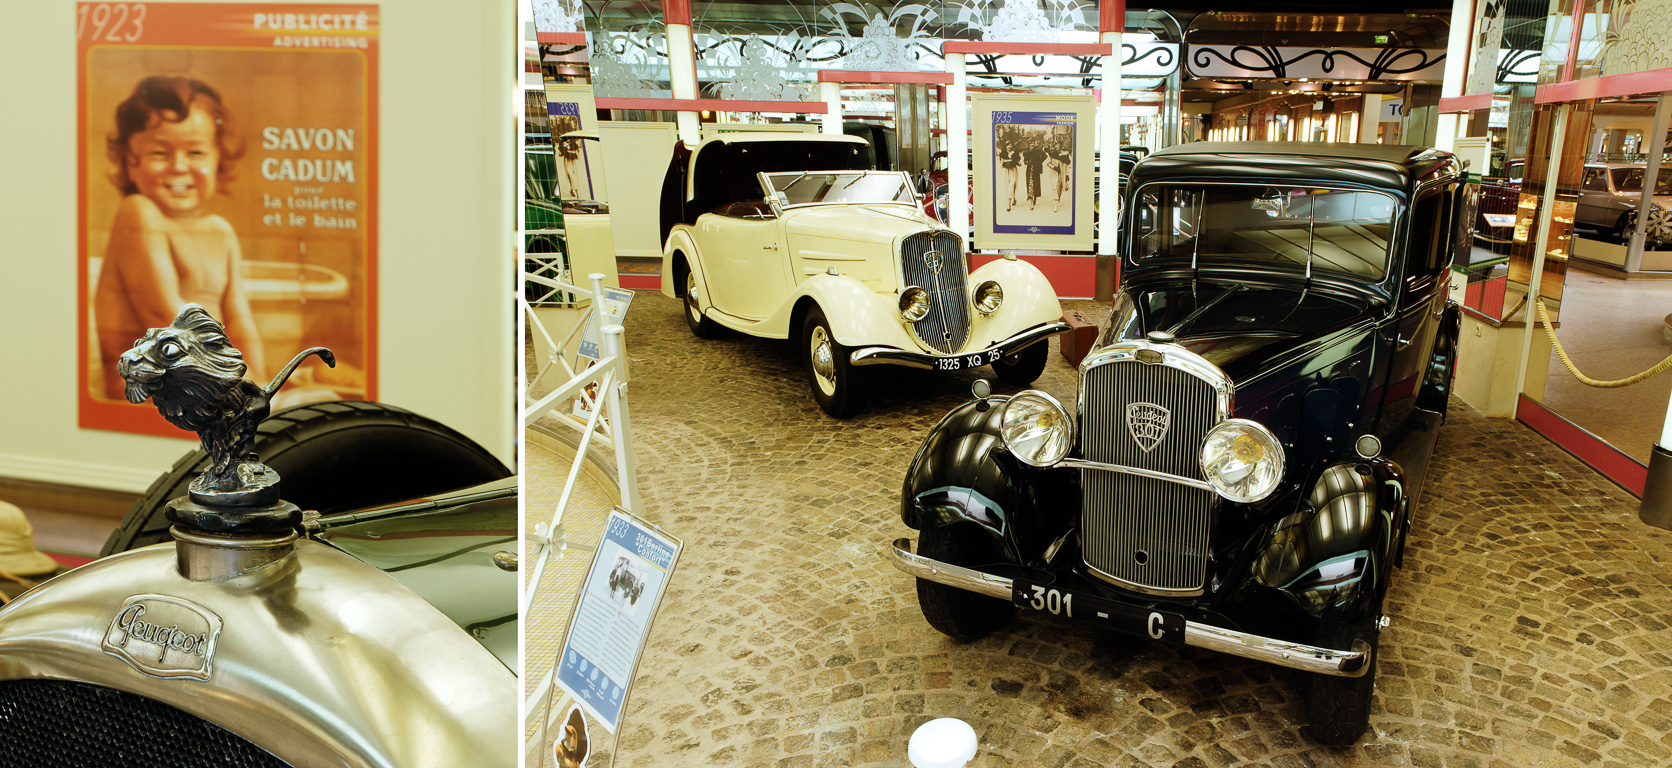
(212, 26)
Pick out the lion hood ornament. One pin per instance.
(196, 379)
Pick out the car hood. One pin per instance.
(857, 223)
(442, 548)
(1244, 328)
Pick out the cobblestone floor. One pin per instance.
(1529, 628)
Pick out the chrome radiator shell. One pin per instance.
(1140, 533)
(946, 329)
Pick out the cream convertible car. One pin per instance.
(788, 235)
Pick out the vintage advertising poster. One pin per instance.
(1034, 166)
(227, 157)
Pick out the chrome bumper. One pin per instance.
(929, 360)
(1307, 658)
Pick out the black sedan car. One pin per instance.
(1252, 428)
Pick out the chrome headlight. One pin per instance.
(988, 296)
(914, 304)
(1036, 428)
(1242, 460)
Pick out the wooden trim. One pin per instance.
(1650, 81)
(561, 38)
(1028, 49)
(908, 78)
(1469, 103)
(713, 105)
(1614, 464)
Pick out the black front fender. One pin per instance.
(1332, 556)
(963, 474)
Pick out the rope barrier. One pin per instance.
(1586, 380)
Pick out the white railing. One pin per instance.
(602, 392)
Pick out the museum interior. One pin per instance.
(678, 373)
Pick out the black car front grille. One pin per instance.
(947, 326)
(1142, 533)
(60, 724)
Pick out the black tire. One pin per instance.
(829, 373)
(701, 326)
(1338, 708)
(331, 457)
(959, 614)
(1022, 368)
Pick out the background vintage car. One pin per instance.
(387, 638)
(1253, 426)
(840, 266)
(1608, 197)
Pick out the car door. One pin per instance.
(1594, 199)
(747, 269)
(1421, 303)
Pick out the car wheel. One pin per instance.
(701, 326)
(331, 457)
(829, 372)
(1338, 708)
(1020, 369)
(959, 614)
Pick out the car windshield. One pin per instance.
(1339, 231)
(1631, 180)
(811, 187)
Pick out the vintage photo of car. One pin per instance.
(789, 236)
(1252, 430)
(1609, 194)
(625, 583)
(385, 636)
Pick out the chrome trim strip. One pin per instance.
(892, 355)
(1307, 658)
(1151, 474)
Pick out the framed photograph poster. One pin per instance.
(227, 157)
(1034, 160)
(579, 164)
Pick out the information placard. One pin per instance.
(613, 309)
(618, 600)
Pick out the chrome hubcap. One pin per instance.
(823, 358)
(691, 296)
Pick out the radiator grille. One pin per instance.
(59, 724)
(1143, 532)
(947, 326)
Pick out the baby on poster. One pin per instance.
(173, 149)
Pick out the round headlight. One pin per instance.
(914, 304)
(1242, 460)
(1036, 428)
(988, 296)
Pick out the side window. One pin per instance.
(1593, 181)
(1426, 253)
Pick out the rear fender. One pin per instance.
(1331, 557)
(963, 474)
(680, 247)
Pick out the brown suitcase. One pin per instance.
(1082, 333)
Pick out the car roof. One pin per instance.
(1387, 153)
(751, 137)
(1377, 166)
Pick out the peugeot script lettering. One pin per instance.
(164, 636)
(1148, 423)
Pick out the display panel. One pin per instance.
(1034, 161)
